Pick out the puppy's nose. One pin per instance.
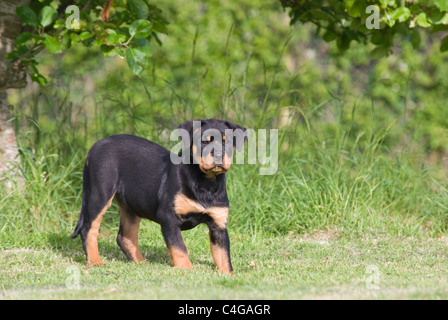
(217, 156)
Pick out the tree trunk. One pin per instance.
(10, 28)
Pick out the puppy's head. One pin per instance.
(213, 142)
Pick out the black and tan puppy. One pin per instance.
(147, 183)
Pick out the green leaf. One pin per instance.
(144, 46)
(442, 20)
(120, 51)
(357, 9)
(74, 37)
(441, 4)
(138, 59)
(85, 35)
(140, 29)
(111, 37)
(106, 50)
(383, 3)
(401, 14)
(330, 35)
(132, 62)
(389, 20)
(141, 57)
(357, 24)
(36, 77)
(59, 23)
(377, 37)
(47, 16)
(98, 42)
(379, 52)
(319, 14)
(444, 44)
(422, 20)
(343, 42)
(122, 38)
(27, 15)
(53, 45)
(139, 8)
(67, 41)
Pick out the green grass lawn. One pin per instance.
(319, 266)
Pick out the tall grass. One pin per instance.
(332, 185)
(337, 181)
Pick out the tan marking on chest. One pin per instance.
(185, 205)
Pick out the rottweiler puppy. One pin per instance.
(178, 191)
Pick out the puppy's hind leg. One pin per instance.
(127, 237)
(94, 211)
(95, 202)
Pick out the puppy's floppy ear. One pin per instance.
(185, 132)
(192, 128)
(239, 134)
(187, 125)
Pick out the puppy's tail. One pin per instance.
(85, 193)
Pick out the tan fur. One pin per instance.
(220, 258)
(184, 205)
(227, 161)
(219, 215)
(180, 258)
(93, 257)
(207, 163)
(130, 236)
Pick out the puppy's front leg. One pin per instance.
(176, 245)
(220, 247)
